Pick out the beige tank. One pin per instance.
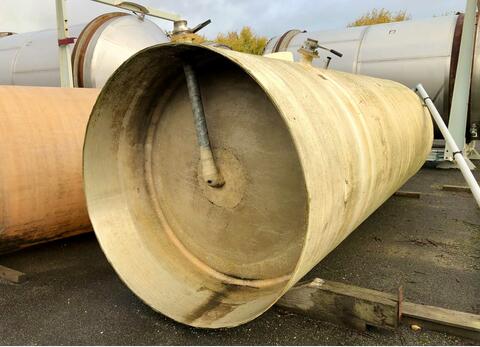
(41, 139)
(306, 154)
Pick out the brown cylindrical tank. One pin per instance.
(41, 138)
(306, 156)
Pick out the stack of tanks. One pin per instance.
(42, 129)
(305, 154)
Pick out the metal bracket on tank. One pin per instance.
(182, 33)
(309, 51)
(141, 10)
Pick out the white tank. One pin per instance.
(31, 58)
(102, 46)
(411, 52)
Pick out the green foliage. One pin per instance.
(377, 16)
(246, 41)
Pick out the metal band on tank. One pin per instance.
(80, 48)
(475, 90)
(457, 38)
(268, 42)
(285, 39)
(474, 107)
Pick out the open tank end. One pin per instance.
(230, 243)
(305, 155)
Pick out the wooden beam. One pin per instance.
(443, 320)
(459, 189)
(411, 195)
(11, 275)
(359, 307)
(343, 304)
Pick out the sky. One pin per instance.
(266, 17)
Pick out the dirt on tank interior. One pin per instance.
(252, 227)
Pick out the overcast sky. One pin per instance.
(266, 17)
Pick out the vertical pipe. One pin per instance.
(457, 153)
(210, 171)
(66, 78)
(463, 79)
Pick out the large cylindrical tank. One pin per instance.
(41, 139)
(307, 155)
(102, 46)
(410, 52)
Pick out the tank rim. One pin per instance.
(281, 284)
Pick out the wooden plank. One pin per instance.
(359, 307)
(343, 304)
(458, 189)
(411, 195)
(441, 319)
(11, 275)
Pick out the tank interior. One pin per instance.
(253, 227)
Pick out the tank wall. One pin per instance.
(116, 41)
(32, 58)
(475, 92)
(409, 52)
(7, 59)
(358, 139)
(41, 139)
(398, 52)
(270, 45)
(345, 41)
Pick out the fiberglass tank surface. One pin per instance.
(306, 154)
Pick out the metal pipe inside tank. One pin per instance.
(210, 172)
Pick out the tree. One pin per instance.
(246, 41)
(376, 16)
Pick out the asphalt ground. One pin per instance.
(430, 246)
